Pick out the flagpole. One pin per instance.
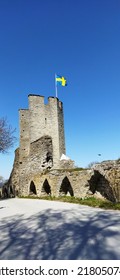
(56, 92)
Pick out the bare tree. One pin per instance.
(7, 138)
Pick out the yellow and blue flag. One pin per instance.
(60, 80)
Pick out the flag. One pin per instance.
(60, 80)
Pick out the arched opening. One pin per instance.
(11, 191)
(5, 192)
(46, 189)
(99, 183)
(32, 188)
(66, 188)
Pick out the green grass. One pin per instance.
(91, 201)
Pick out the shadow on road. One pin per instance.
(53, 235)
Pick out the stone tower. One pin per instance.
(42, 140)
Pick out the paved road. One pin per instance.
(46, 230)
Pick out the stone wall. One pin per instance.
(102, 181)
(37, 168)
(41, 154)
(58, 182)
(42, 140)
(40, 120)
(110, 172)
(24, 120)
(13, 185)
(83, 183)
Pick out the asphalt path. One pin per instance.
(33, 229)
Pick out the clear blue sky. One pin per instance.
(79, 39)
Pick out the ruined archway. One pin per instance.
(41, 154)
(98, 183)
(32, 188)
(11, 191)
(46, 189)
(66, 188)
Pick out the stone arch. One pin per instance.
(66, 187)
(12, 191)
(32, 188)
(98, 183)
(46, 189)
(5, 192)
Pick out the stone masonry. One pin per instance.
(42, 120)
(37, 168)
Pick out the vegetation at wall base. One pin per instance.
(89, 201)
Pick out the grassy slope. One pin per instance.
(93, 202)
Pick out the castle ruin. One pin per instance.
(37, 168)
(41, 133)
